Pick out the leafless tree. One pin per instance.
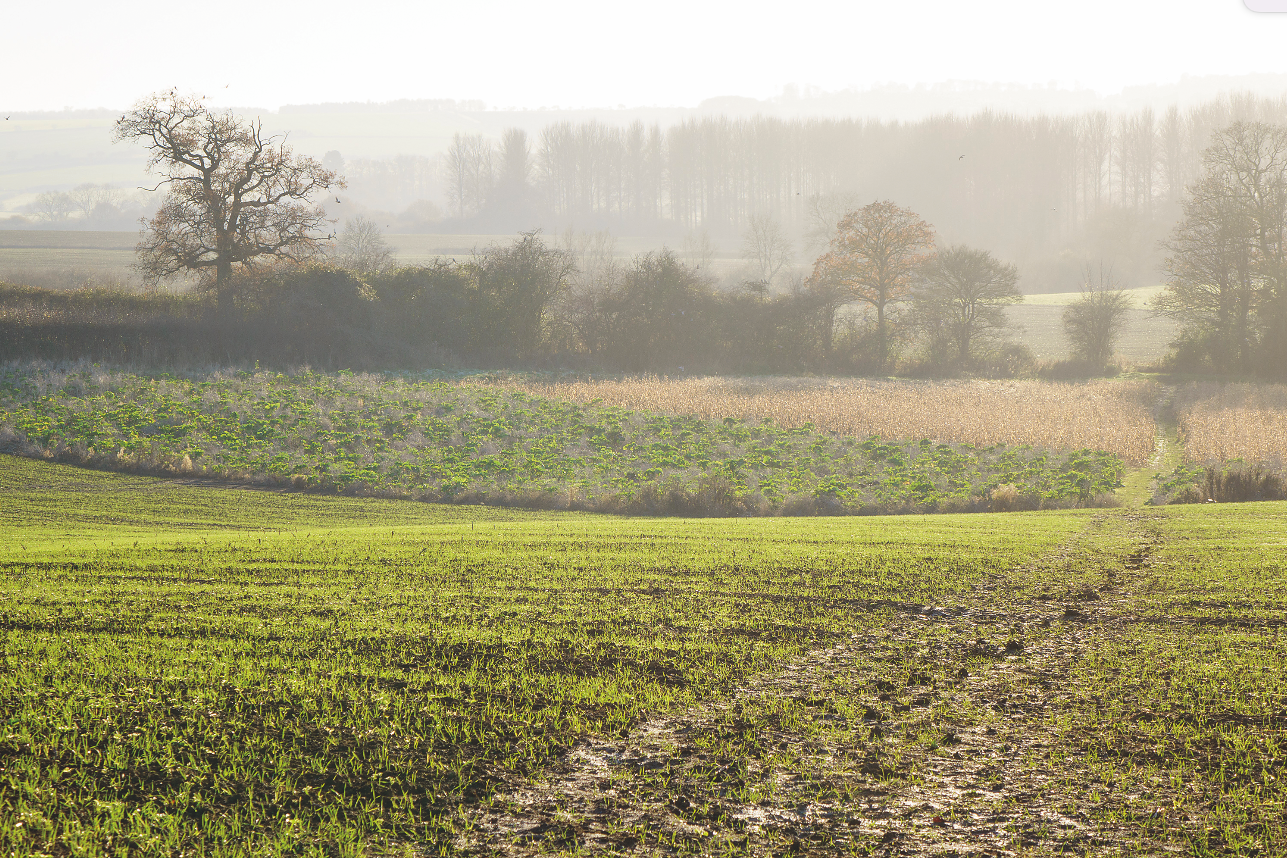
(1227, 262)
(469, 173)
(457, 166)
(766, 246)
(1138, 158)
(419, 216)
(593, 255)
(515, 157)
(89, 196)
(699, 251)
(1250, 159)
(963, 293)
(1094, 148)
(594, 274)
(1094, 321)
(391, 184)
(52, 207)
(362, 248)
(234, 195)
(1172, 134)
(1211, 287)
(822, 215)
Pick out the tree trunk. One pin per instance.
(1244, 337)
(882, 348)
(223, 290)
(828, 329)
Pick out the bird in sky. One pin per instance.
(961, 158)
(337, 199)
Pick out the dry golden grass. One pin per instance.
(1113, 416)
(1220, 422)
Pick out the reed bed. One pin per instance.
(1224, 422)
(1113, 416)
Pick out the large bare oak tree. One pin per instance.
(233, 193)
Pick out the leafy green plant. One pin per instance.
(440, 441)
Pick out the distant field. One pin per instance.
(193, 670)
(66, 258)
(1139, 297)
(64, 267)
(27, 256)
(51, 239)
(413, 246)
(1145, 337)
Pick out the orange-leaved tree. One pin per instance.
(873, 257)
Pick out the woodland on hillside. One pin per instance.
(1046, 192)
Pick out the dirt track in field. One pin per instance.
(932, 734)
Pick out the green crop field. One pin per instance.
(373, 434)
(196, 670)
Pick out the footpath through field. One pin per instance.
(1139, 483)
(1042, 713)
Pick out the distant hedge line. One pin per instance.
(508, 306)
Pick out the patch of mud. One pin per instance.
(937, 733)
(817, 759)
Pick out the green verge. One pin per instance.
(373, 435)
(254, 672)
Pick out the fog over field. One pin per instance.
(1046, 138)
(655, 430)
(1049, 178)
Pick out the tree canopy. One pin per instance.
(233, 193)
(1227, 262)
(963, 294)
(874, 258)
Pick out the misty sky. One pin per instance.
(588, 53)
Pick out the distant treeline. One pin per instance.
(511, 305)
(1028, 188)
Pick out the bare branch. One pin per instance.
(233, 193)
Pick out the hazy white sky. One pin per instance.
(592, 53)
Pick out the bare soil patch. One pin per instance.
(942, 732)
